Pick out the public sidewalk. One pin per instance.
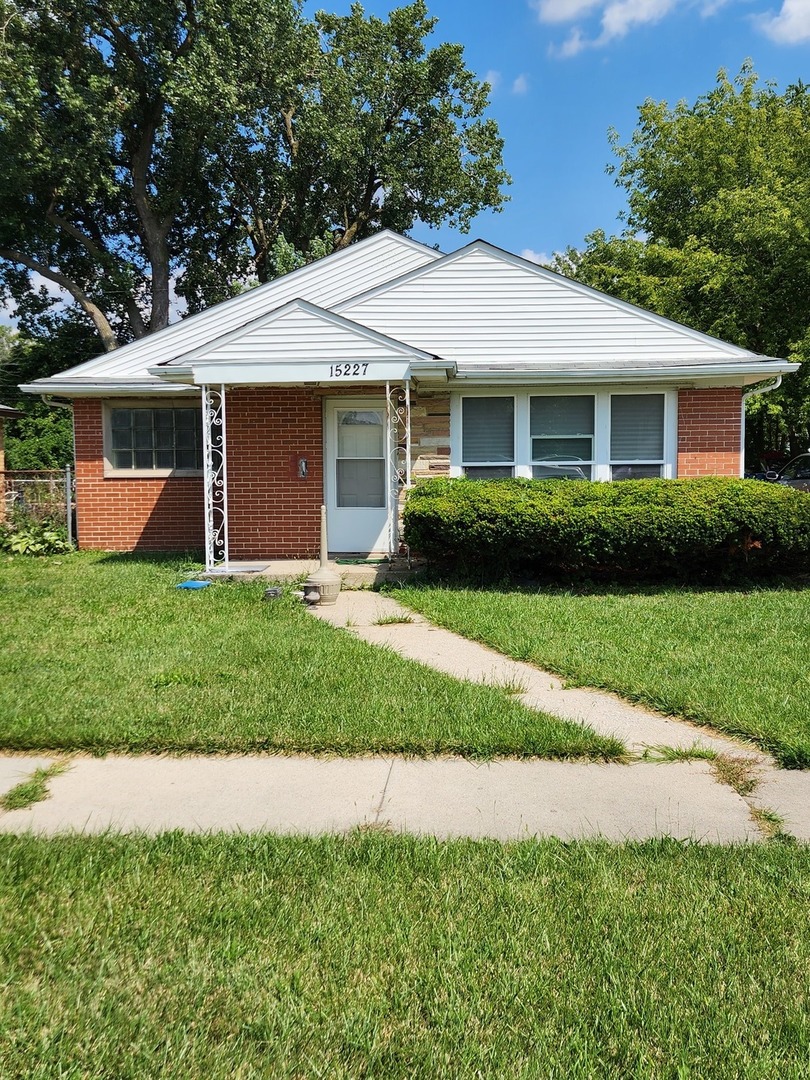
(442, 797)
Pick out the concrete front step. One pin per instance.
(354, 575)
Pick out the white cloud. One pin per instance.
(791, 26)
(520, 85)
(493, 78)
(618, 17)
(563, 11)
(539, 257)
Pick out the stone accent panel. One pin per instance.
(430, 434)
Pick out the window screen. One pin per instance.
(488, 429)
(637, 427)
(561, 429)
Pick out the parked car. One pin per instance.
(795, 474)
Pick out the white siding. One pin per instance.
(327, 282)
(483, 307)
(301, 337)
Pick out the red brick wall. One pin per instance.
(709, 432)
(160, 514)
(271, 511)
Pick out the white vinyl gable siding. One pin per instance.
(304, 335)
(327, 282)
(600, 463)
(484, 307)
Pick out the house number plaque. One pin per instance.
(347, 371)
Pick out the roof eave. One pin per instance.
(733, 373)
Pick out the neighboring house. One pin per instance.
(379, 365)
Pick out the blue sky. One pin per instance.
(564, 71)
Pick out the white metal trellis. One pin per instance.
(398, 458)
(215, 478)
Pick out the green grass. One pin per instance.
(391, 957)
(104, 653)
(31, 790)
(732, 659)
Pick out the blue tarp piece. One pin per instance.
(192, 584)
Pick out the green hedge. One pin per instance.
(706, 526)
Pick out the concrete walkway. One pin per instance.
(371, 616)
(442, 797)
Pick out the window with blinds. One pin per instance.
(636, 436)
(562, 433)
(488, 437)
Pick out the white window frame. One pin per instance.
(601, 466)
(456, 450)
(565, 464)
(141, 403)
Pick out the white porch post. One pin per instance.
(215, 478)
(398, 459)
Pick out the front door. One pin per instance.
(356, 475)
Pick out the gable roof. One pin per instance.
(481, 313)
(312, 334)
(482, 306)
(326, 282)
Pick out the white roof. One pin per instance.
(486, 314)
(326, 282)
(482, 306)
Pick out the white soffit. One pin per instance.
(481, 305)
(357, 268)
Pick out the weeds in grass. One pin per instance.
(513, 685)
(33, 789)
(695, 752)
(770, 824)
(740, 773)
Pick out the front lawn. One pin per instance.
(392, 957)
(733, 659)
(103, 653)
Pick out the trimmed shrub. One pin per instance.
(652, 528)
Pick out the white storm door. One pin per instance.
(356, 503)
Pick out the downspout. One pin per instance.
(753, 393)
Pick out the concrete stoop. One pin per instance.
(354, 574)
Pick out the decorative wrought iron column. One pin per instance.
(398, 464)
(215, 478)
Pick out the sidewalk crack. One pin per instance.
(381, 803)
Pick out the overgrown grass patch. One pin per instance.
(733, 659)
(380, 956)
(104, 653)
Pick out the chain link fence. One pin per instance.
(39, 496)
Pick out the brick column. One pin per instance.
(709, 432)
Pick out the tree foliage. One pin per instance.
(196, 144)
(718, 223)
(42, 438)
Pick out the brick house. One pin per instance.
(358, 375)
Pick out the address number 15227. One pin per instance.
(347, 371)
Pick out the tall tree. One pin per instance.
(718, 223)
(196, 143)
